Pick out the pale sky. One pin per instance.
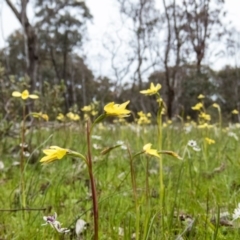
(104, 26)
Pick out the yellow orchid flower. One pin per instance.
(24, 95)
(73, 116)
(87, 108)
(94, 113)
(40, 115)
(148, 150)
(209, 141)
(235, 111)
(205, 116)
(117, 110)
(152, 90)
(141, 114)
(53, 153)
(60, 117)
(216, 105)
(204, 125)
(197, 107)
(201, 96)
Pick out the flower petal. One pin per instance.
(53, 153)
(33, 96)
(147, 146)
(113, 109)
(16, 94)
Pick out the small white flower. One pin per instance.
(121, 175)
(188, 129)
(23, 145)
(96, 137)
(236, 213)
(123, 146)
(224, 214)
(119, 142)
(1, 165)
(197, 149)
(120, 231)
(81, 225)
(26, 154)
(96, 146)
(153, 171)
(234, 135)
(52, 221)
(15, 163)
(193, 145)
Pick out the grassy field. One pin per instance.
(196, 199)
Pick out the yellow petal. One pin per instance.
(33, 96)
(148, 150)
(216, 105)
(234, 111)
(49, 151)
(152, 90)
(45, 117)
(16, 94)
(87, 108)
(201, 96)
(147, 146)
(47, 159)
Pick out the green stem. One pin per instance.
(97, 120)
(79, 155)
(22, 159)
(133, 179)
(134, 188)
(93, 186)
(220, 119)
(161, 188)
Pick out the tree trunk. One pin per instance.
(170, 99)
(33, 58)
(30, 39)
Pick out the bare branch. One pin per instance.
(16, 12)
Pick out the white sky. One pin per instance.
(105, 23)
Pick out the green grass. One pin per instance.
(193, 186)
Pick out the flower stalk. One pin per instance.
(24, 96)
(92, 182)
(22, 162)
(134, 188)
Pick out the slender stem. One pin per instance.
(161, 188)
(134, 187)
(160, 162)
(23, 209)
(22, 158)
(98, 120)
(93, 186)
(161, 185)
(147, 183)
(220, 119)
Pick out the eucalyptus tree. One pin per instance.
(171, 45)
(141, 17)
(60, 37)
(188, 32)
(204, 26)
(48, 14)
